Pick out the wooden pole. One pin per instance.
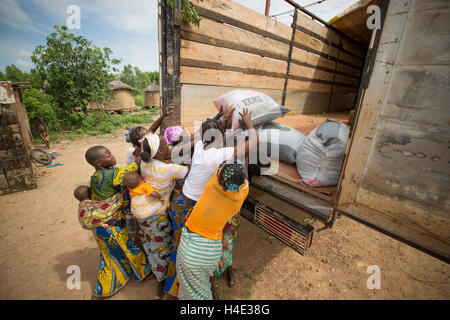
(267, 8)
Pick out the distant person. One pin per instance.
(43, 132)
(120, 257)
(200, 249)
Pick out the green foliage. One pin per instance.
(139, 99)
(39, 104)
(137, 78)
(188, 14)
(98, 122)
(75, 71)
(14, 74)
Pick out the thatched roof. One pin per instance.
(118, 85)
(152, 88)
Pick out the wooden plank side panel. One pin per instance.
(242, 17)
(230, 57)
(205, 76)
(197, 101)
(223, 35)
(242, 13)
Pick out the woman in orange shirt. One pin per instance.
(200, 246)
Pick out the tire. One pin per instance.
(41, 156)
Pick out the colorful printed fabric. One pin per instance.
(172, 134)
(228, 236)
(179, 210)
(160, 176)
(120, 258)
(104, 184)
(197, 260)
(92, 214)
(214, 208)
(232, 176)
(156, 236)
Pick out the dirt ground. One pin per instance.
(40, 238)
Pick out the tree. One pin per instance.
(75, 72)
(137, 78)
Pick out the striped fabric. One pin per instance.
(197, 259)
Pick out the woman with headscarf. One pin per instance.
(150, 213)
(207, 157)
(200, 248)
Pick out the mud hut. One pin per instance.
(152, 95)
(122, 97)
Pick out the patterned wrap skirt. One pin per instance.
(197, 260)
(120, 258)
(156, 236)
(228, 236)
(178, 214)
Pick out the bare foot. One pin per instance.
(160, 293)
(230, 276)
(150, 276)
(98, 298)
(213, 288)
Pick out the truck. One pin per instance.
(392, 71)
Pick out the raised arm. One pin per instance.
(253, 140)
(157, 123)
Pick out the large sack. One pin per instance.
(320, 157)
(264, 108)
(284, 138)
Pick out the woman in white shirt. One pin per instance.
(206, 159)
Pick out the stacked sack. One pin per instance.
(264, 108)
(320, 157)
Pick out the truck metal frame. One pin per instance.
(418, 218)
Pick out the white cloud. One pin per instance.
(24, 60)
(12, 15)
(136, 16)
(325, 10)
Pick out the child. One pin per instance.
(92, 214)
(156, 227)
(43, 131)
(200, 248)
(140, 193)
(120, 257)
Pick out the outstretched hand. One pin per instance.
(229, 112)
(246, 118)
(169, 109)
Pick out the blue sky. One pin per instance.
(129, 27)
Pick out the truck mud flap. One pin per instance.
(288, 231)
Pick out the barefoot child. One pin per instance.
(43, 132)
(120, 257)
